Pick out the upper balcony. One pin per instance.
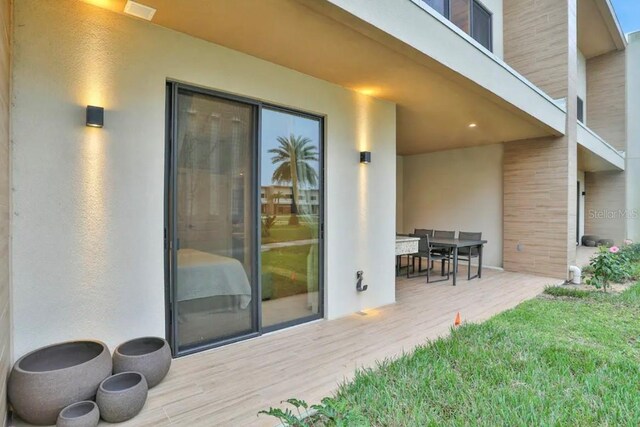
(404, 51)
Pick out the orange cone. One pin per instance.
(458, 320)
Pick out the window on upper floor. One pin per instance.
(468, 15)
(481, 25)
(441, 6)
(580, 110)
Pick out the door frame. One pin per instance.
(170, 212)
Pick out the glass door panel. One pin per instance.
(214, 219)
(291, 178)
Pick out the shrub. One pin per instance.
(610, 265)
(631, 251)
(328, 413)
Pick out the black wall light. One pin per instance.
(365, 157)
(360, 287)
(95, 116)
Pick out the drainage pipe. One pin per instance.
(577, 275)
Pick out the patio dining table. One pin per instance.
(454, 245)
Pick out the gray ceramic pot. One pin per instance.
(81, 414)
(122, 396)
(47, 380)
(150, 356)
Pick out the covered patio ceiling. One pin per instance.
(435, 105)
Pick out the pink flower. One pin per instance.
(614, 249)
(628, 242)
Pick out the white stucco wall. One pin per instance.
(88, 203)
(399, 194)
(457, 190)
(581, 86)
(633, 136)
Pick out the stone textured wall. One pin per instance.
(605, 205)
(540, 175)
(606, 98)
(536, 43)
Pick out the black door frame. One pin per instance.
(170, 227)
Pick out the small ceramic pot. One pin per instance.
(81, 414)
(150, 356)
(122, 396)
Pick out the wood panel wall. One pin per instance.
(607, 98)
(536, 43)
(540, 175)
(5, 94)
(605, 205)
(536, 212)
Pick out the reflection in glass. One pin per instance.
(214, 217)
(290, 210)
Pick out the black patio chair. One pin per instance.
(466, 254)
(423, 232)
(424, 251)
(399, 257)
(442, 252)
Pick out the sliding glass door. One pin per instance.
(291, 216)
(243, 218)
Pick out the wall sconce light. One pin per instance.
(365, 157)
(95, 116)
(360, 287)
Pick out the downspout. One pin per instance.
(577, 275)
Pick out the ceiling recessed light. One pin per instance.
(472, 125)
(139, 10)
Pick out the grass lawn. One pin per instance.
(564, 361)
(288, 269)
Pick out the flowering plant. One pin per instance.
(609, 265)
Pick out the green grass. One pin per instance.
(288, 269)
(547, 362)
(288, 233)
(563, 291)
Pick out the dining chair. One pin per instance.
(423, 232)
(424, 251)
(442, 252)
(466, 254)
(399, 257)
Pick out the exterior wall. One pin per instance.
(5, 203)
(536, 44)
(633, 134)
(399, 194)
(540, 175)
(88, 244)
(605, 205)
(606, 96)
(536, 212)
(583, 189)
(457, 190)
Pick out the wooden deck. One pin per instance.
(229, 385)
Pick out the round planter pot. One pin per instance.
(122, 396)
(81, 414)
(48, 379)
(150, 356)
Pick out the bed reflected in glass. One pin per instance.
(214, 217)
